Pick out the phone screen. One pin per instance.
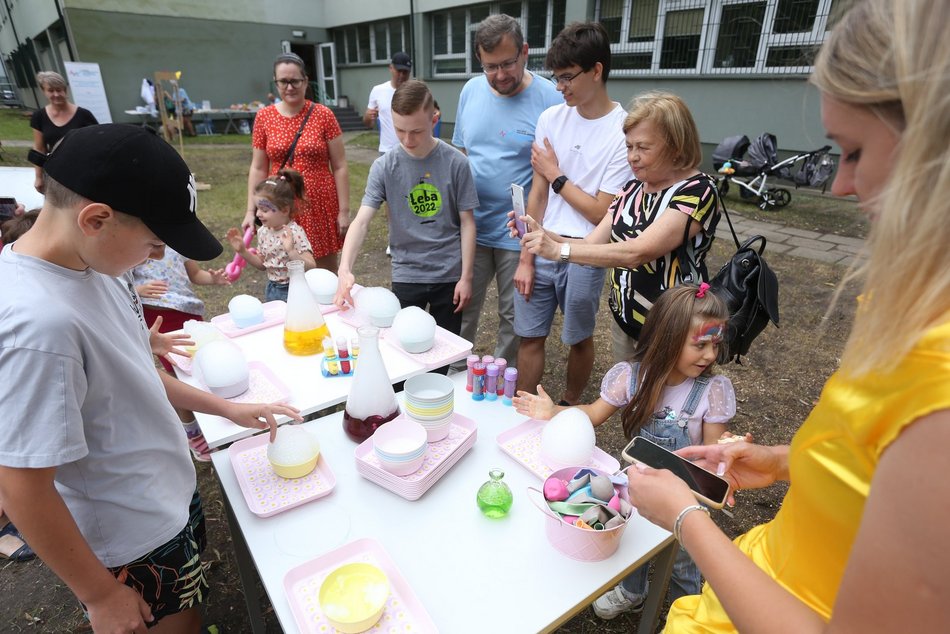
(517, 204)
(7, 208)
(708, 487)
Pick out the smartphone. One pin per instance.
(708, 488)
(7, 208)
(517, 204)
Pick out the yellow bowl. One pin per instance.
(353, 597)
(291, 471)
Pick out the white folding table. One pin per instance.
(310, 391)
(471, 573)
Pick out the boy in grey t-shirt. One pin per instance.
(431, 194)
(94, 467)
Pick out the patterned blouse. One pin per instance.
(633, 291)
(271, 250)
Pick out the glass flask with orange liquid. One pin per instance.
(304, 327)
(372, 401)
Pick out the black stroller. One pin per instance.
(752, 173)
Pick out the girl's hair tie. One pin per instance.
(701, 293)
(282, 177)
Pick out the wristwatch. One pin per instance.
(558, 183)
(565, 252)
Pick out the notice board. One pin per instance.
(85, 82)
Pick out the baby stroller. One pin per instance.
(752, 173)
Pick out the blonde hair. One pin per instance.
(893, 57)
(50, 79)
(673, 120)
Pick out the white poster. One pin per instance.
(85, 83)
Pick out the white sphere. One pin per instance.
(246, 310)
(223, 368)
(323, 284)
(414, 324)
(567, 440)
(294, 445)
(379, 305)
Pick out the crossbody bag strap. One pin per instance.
(293, 146)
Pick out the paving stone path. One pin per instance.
(824, 247)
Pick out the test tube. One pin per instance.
(502, 366)
(488, 359)
(478, 382)
(354, 352)
(333, 365)
(470, 362)
(491, 380)
(344, 355)
(511, 380)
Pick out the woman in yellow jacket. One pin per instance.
(860, 543)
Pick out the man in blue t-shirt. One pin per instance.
(495, 126)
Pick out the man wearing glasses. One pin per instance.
(579, 161)
(380, 100)
(495, 126)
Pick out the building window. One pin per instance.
(453, 33)
(371, 42)
(711, 38)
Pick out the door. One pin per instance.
(326, 73)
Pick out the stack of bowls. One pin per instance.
(430, 400)
(400, 446)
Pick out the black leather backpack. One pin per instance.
(747, 285)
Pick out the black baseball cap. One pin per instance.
(135, 172)
(402, 61)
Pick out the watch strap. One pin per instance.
(558, 183)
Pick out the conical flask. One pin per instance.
(371, 402)
(304, 328)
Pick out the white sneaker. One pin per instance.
(613, 603)
(389, 251)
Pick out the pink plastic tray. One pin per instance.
(274, 313)
(185, 364)
(267, 493)
(438, 452)
(448, 347)
(263, 386)
(404, 612)
(523, 443)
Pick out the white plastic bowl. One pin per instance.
(400, 446)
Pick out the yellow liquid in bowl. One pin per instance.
(354, 596)
(305, 342)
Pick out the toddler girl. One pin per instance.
(669, 396)
(279, 238)
(168, 301)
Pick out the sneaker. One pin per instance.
(613, 603)
(199, 448)
(389, 251)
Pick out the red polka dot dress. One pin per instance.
(273, 133)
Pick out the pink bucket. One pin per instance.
(578, 543)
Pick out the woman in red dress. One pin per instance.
(319, 156)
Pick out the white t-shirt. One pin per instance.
(381, 98)
(592, 153)
(80, 392)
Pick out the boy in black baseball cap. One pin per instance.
(95, 468)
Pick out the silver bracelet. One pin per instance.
(678, 524)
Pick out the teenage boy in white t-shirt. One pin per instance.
(379, 107)
(579, 161)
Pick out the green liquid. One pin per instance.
(494, 498)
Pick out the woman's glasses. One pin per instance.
(284, 83)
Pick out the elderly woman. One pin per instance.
(648, 220)
(59, 116)
(859, 543)
(318, 155)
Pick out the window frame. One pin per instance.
(379, 53)
(709, 40)
(472, 69)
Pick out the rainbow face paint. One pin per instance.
(710, 331)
